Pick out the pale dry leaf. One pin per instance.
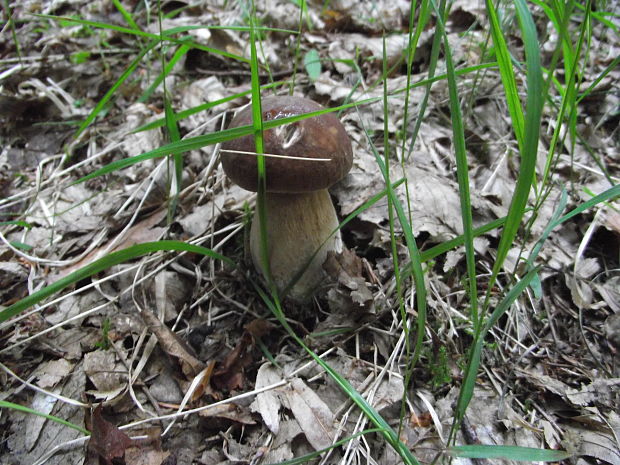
(312, 414)
(140, 456)
(389, 392)
(144, 231)
(50, 433)
(234, 412)
(542, 381)
(591, 443)
(601, 391)
(267, 403)
(52, 372)
(108, 375)
(43, 404)
(134, 144)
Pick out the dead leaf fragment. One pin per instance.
(312, 414)
(233, 412)
(50, 373)
(106, 440)
(267, 403)
(174, 346)
(231, 374)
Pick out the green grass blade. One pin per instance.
(520, 454)
(178, 54)
(469, 379)
(529, 150)
(462, 172)
(105, 263)
(258, 128)
(110, 93)
(126, 15)
(504, 62)
(21, 408)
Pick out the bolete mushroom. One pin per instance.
(300, 213)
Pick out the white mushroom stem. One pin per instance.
(297, 226)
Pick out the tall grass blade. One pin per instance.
(529, 149)
(105, 263)
(462, 172)
(112, 91)
(520, 454)
(504, 62)
(21, 408)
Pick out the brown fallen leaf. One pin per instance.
(230, 374)
(233, 412)
(174, 346)
(106, 440)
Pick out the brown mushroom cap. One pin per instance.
(321, 136)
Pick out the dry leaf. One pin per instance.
(312, 414)
(174, 346)
(233, 412)
(267, 403)
(106, 440)
(230, 373)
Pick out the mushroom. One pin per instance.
(300, 214)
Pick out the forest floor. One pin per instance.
(182, 353)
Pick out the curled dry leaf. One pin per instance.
(230, 374)
(173, 345)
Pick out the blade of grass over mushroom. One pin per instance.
(205, 106)
(462, 174)
(104, 263)
(520, 454)
(257, 120)
(375, 418)
(112, 91)
(529, 149)
(21, 408)
(210, 139)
